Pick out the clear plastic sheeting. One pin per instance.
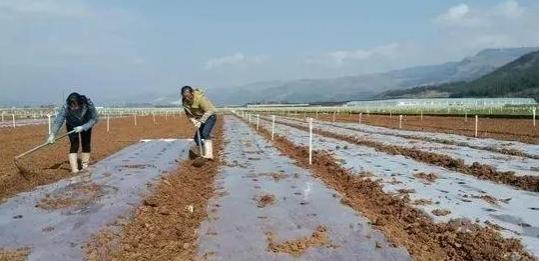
(502, 162)
(240, 221)
(465, 196)
(55, 220)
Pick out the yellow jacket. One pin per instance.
(201, 108)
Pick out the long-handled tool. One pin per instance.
(23, 170)
(200, 161)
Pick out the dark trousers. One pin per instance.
(206, 129)
(85, 139)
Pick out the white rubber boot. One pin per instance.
(208, 149)
(85, 160)
(73, 162)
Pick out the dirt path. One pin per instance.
(166, 225)
(267, 208)
(51, 163)
(55, 220)
(401, 221)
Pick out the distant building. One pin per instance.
(445, 102)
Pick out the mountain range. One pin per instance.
(368, 86)
(519, 78)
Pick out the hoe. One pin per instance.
(24, 170)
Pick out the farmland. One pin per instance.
(306, 185)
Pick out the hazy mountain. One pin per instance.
(368, 86)
(519, 78)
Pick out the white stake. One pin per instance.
(2, 116)
(421, 115)
(108, 123)
(257, 121)
(465, 116)
(272, 126)
(533, 117)
(13, 116)
(400, 121)
(360, 115)
(49, 116)
(476, 124)
(310, 141)
(153, 114)
(135, 118)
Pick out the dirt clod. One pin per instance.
(265, 200)
(430, 177)
(297, 247)
(441, 212)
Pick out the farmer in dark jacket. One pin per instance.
(80, 115)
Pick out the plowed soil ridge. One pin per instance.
(481, 171)
(166, 226)
(506, 129)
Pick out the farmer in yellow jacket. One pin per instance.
(201, 112)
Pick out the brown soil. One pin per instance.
(20, 254)
(298, 246)
(79, 194)
(421, 202)
(402, 223)
(265, 200)
(166, 226)
(505, 129)
(51, 163)
(441, 212)
(488, 198)
(277, 176)
(430, 177)
(481, 171)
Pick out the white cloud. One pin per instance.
(235, 59)
(455, 14)
(507, 24)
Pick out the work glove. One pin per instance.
(196, 123)
(51, 140)
(78, 129)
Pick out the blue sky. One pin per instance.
(116, 49)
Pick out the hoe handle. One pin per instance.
(199, 142)
(42, 145)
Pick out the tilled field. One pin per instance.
(506, 129)
(50, 164)
(367, 196)
(441, 191)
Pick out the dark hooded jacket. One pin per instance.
(86, 116)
